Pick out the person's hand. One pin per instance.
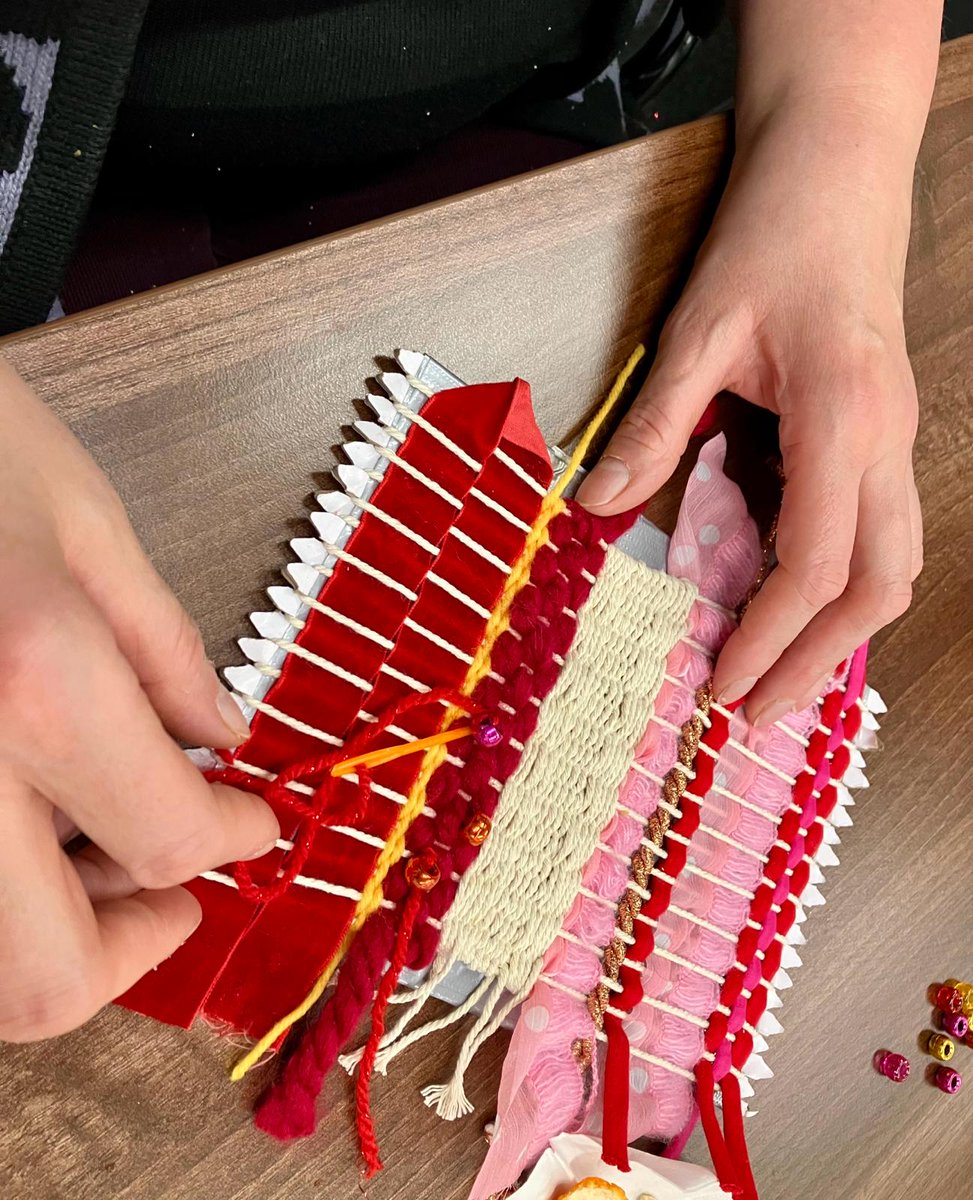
(97, 662)
(795, 304)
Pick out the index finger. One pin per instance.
(92, 744)
(815, 539)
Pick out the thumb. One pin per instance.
(650, 440)
(159, 640)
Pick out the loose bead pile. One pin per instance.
(953, 1005)
(953, 1002)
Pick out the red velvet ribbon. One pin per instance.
(799, 830)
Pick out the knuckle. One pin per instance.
(686, 328)
(35, 643)
(173, 861)
(821, 583)
(186, 650)
(653, 431)
(884, 600)
(872, 403)
(683, 341)
(46, 1006)
(893, 599)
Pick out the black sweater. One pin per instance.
(180, 97)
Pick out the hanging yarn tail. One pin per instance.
(719, 1151)
(614, 1145)
(449, 1099)
(736, 1139)
(363, 1103)
(288, 1109)
(396, 1042)
(415, 1001)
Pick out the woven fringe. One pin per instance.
(397, 1040)
(449, 1099)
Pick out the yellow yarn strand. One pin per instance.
(596, 422)
(372, 895)
(252, 1057)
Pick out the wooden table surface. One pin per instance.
(214, 406)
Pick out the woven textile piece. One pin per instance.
(513, 900)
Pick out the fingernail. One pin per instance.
(265, 849)
(771, 712)
(815, 692)
(736, 689)
(605, 482)
(232, 717)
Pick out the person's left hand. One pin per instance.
(795, 304)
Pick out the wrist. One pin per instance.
(820, 164)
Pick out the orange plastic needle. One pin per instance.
(374, 758)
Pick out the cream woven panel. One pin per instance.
(513, 899)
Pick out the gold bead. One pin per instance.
(941, 1047)
(422, 872)
(966, 991)
(477, 829)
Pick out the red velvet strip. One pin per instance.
(804, 833)
(736, 1139)
(719, 1153)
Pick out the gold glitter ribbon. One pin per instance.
(643, 860)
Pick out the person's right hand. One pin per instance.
(99, 665)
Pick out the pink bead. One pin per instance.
(487, 733)
(955, 1024)
(948, 1080)
(893, 1066)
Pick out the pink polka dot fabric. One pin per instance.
(544, 1091)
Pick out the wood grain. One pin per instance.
(214, 405)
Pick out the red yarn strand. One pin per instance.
(363, 1106)
(323, 805)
